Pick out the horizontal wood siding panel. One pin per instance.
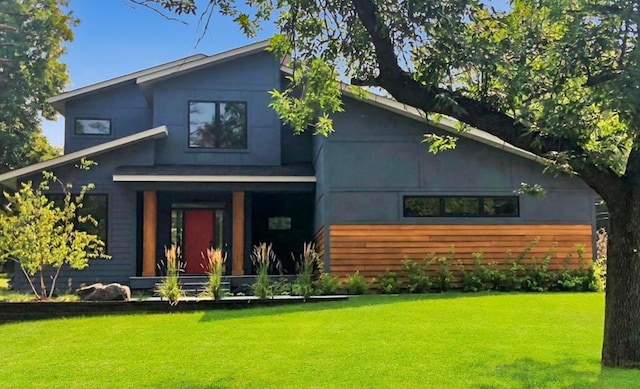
(372, 249)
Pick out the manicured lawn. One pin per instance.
(427, 341)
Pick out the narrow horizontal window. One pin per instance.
(93, 126)
(461, 206)
(218, 124)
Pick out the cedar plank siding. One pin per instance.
(372, 249)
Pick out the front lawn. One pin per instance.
(428, 341)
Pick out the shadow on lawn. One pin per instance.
(531, 374)
(353, 302)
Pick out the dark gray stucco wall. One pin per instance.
(376, 157)
(246, 79)
(125, 105)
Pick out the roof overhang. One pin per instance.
(10, 179)
(212, 178)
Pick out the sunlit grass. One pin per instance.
(428, 341)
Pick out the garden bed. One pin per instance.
(21, 311)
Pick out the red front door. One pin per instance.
(199, 235)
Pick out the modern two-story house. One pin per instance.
(190, 153)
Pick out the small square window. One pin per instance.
(218, 124)
(93, 127)
(280, 223)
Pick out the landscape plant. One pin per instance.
(417, 279)
(306, 266)
(170, 286)
(325, 283)
(216, 260)
(265, 262)
(40, 236)
(389, 283)
(357, 284)
(443, 280)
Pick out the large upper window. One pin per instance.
(93, 126)
(218, 124)
(95, 205)
(461, 206)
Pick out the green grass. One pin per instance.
(426, 341)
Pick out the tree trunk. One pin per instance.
(621, 345)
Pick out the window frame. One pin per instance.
(217, 104)
(83, 134)
(480, 201)
(51, 196)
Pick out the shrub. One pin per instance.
(281, 287)
(389, 283)
(537, 277)
(215, 270)
(264, 260)
(444, 277)
(326, 284)
(419, 281)
(170, 287)
(357, 284)
(509, 280)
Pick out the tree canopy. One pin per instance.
(31, 36)
(557, 78)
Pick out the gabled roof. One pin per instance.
(160, 72)
(58, 101)
(443, 123)
(10, 178)
(203, 62)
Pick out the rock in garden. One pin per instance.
(101, 292)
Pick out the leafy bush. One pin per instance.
(357, 284)
(510, 280)
(281, 287)
(170, 287)
(389, 283)
(444, 277)
(326, 284)
(418, 280)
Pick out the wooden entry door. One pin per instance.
(199, 235)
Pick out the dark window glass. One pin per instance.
(95, 205)
(93, 126)
(280, 223)
(220, 125)
(461, 206)
(500, 206)
(421, 206)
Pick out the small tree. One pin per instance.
(39, 235)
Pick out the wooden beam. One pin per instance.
(149, 226)
(238, 234)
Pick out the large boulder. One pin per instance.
(101, 292)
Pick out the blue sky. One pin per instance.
(113, 39)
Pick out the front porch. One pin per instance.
(233, 220)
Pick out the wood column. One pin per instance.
(149, 225)
(238, 234)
